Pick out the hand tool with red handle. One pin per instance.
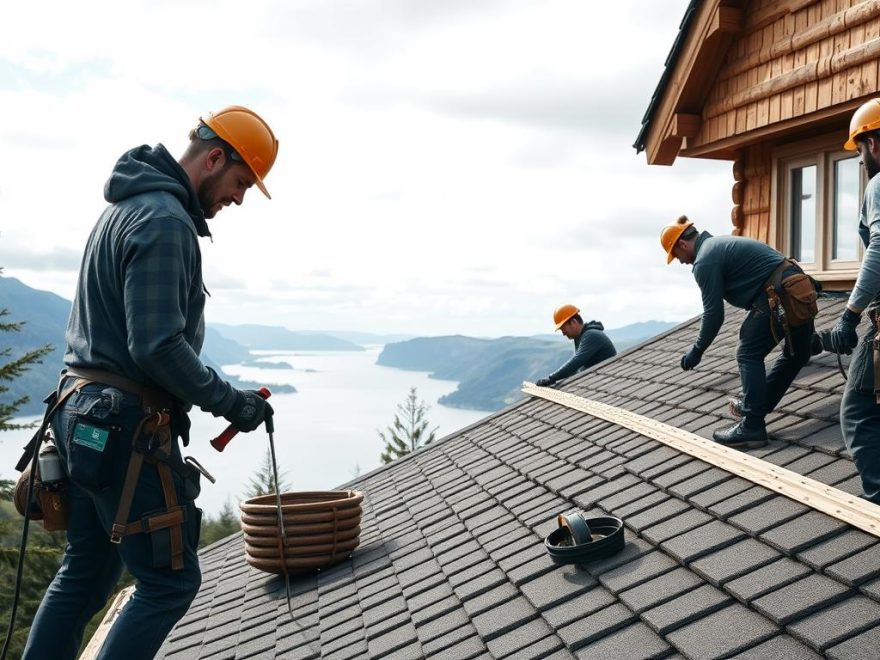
(219, 443)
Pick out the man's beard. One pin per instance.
(871, 165)
(208, 194)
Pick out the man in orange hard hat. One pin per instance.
(591, 344)
(132, 371)
(740, 271)
(859, 408)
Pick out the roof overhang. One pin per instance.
(674, 114)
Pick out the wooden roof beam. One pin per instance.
(696, 68)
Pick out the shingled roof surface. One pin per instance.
(452, 562)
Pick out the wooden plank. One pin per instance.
(751, 116)
(763, 112)
(829, 500)
(685, 125)
(825, 83)
(97, 640)
(763, 227)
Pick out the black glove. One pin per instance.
(543, 382)
(691, 359)
(842, 338)
(248, 411)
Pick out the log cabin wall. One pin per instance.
(791, 58)
(751, 193)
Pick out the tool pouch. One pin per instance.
(799, 299)
(93, 438)
(46, 505)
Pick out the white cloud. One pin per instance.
(444, 167)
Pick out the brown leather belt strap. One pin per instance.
(174, 515)
(172, 507)
(128, 487)
(772, 286)
(156, 522)
(775, 279)
(152, 398)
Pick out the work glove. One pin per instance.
(842, 338)
(692, 358)
(543, 382)
(248, 411)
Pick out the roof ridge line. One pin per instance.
(821, 497)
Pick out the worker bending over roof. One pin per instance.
(591, 344)
(753, 276)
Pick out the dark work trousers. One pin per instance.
(860, 417)
(762, 391)
(92, 564)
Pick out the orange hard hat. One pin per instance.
(670, 235)
(865, 119)
(246, 132)
(563, 313)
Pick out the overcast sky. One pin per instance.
(445, 166)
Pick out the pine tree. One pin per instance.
(408, 430)
(45, 548)
(12, 370)
(225, 524)
(262, 482)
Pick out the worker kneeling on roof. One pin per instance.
(780, 301)
(131, 372)
(591, 344)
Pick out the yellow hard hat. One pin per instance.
(670, 235)
(246, 132)
(563, 313)
(865, 119)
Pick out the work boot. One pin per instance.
(739, 437)
(735, 406)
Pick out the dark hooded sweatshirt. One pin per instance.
(590, 347)
(139, 305)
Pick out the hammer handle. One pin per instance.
(219, 443)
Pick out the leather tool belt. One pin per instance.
(578, 540)
(152, 442)
(792, 300)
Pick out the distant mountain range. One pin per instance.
(45, 320)
(490, 371)
(278, 338)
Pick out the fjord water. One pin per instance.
(323, 433)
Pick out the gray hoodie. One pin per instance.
(590, 347)
(140, 300)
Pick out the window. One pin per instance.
(819, 193)
(803, 213)
(847, 194)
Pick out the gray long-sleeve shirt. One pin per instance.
(731, 268)
(867, 284)
(139, 305)
(590, 347)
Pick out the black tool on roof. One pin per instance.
(578, 540)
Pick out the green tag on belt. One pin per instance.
(90, 436)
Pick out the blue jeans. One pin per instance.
(92, 564)
(761, 391)
(860, 417)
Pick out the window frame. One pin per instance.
(823, 153)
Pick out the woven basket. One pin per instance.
(321, 528)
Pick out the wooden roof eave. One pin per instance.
(678, 116)
(825, 120)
